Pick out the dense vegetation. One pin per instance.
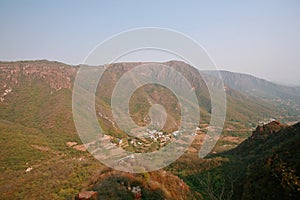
(265, 166)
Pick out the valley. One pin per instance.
(42, 156)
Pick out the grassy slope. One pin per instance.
(35, 126)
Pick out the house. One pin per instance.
(120, 141)
(137, 191)
(87, 195)
(28, 169)
(175, 133)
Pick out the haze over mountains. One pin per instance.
(284, 96)
(42, 156)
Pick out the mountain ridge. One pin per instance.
(36, 124)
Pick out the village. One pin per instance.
(150, 140)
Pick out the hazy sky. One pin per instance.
(256, 37)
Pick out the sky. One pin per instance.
(257, 37)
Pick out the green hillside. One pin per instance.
(265, 166)
(37, 160)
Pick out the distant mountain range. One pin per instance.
(287, 97)
(257, 86)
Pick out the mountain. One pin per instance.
(271, 158)
(257, 86)
(42, 156)
(242, 111)
(264, 166)
(35, 125)
(261, 133)
(287, 97)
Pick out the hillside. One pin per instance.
(271, 158)
(264, 166)
(286, 97)
(35, 125)
(243, 112)
(110, 184)
(42, 156)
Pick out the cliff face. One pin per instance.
(57, 75)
